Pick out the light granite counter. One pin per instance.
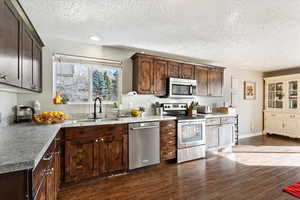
(22, 146)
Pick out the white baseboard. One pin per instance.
(241, 136)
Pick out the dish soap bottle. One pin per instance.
(57, 98)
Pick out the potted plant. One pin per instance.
(142, 110)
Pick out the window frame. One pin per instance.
(120, 67)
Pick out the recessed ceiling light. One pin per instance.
(95, 38)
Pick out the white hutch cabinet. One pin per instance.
(282, 112)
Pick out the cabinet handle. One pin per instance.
(49, 171)
(49, 157)
(97, 140)
(170, 133)
(3, 77)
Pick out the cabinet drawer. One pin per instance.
(167, 140)
(95, 131)
(213, 121)
(168, 124)
(39, 173)
(168, 132)
(228, 120)
(167, 155)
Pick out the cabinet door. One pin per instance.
(174, 69)
(37, 68)
(160, 77)
(41, 195)
(274, 123)
(57, 169)
(212, 136)
(10, 44)
(226, 135)
(215, 82)
(188, 71)
(80, 159)
(143, 70)
(292, 125)
(112, 154)
(201, 75)
(27, 60)
(50, 182)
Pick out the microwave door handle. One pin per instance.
(191, 89)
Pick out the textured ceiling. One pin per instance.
(251, 34)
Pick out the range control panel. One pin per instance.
(174, 106)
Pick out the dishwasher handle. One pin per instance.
(144, 127)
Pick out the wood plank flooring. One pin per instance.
(217, 178)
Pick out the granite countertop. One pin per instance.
(23, 145)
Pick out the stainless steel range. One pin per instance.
(190, 132)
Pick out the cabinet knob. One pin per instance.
(3, 77)
(102, 139)
(97, 140)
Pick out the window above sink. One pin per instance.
(81, 80)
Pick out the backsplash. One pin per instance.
(7, 102)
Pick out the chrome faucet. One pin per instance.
(95, 106)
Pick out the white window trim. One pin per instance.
(116, 64)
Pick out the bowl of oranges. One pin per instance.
(50, 117)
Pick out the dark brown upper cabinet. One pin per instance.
(174, 69)
(143, 74)
(201, 75)
(10, 44)
(188, 71)
(37, 68)
(215, 82)
(20, 49)
(160, 77)
(150, 74)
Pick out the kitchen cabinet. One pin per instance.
(226, 132)
(220, 133)
(212, 137)
(168, 140)
(160, 77)
(113, 154)
(10, 44)
(42, 193)
(37, 68)
(80, 159)
(150, 74)
(95, 151)
(188, 71)
(201, 75)
(174, 69)
(143, 75)
(215, 82)
(20, 49)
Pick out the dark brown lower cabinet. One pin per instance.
(80, 159)
(95, 151)
(112, 154)
(168, 140)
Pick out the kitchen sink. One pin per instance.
(95, 120)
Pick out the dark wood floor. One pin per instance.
(217, 178)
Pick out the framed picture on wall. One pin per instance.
(249, 90)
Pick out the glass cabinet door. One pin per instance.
(279, 95)
(271, 95)
(293, 94)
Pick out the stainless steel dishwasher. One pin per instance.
(144, 144)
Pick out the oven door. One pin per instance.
(190, 133)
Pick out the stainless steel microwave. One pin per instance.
(181, 88)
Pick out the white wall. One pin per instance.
(250, 111)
